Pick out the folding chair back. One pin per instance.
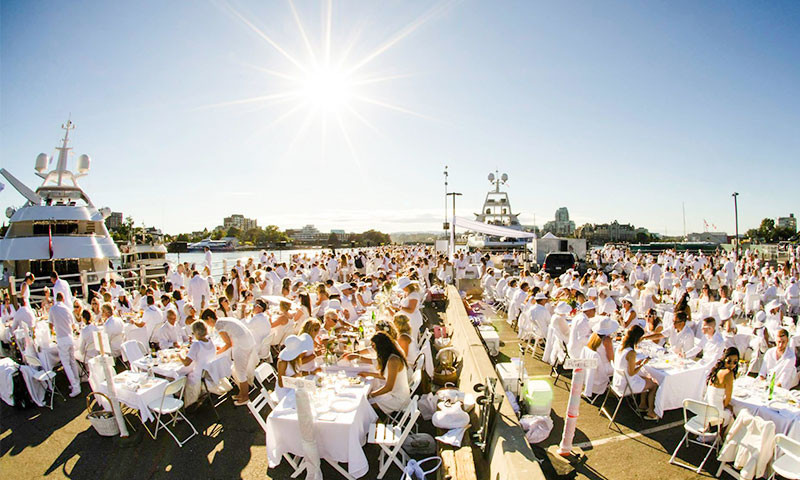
(416, 380)
(176, 386)
(390, 438)
(257, 404)
(133, 350)
(786, 460)
(33, 361)
(706, 414)
(265, 373)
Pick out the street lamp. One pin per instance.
(453, 246)
(735, 196)
(445, 225)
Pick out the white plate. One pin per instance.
(343, 405)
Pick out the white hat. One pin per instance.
(759, 318)
(403, 282)
(772, 305)
(588, 305)
(605, 326)
(563, 308)
(343, 286)
(540, 296)
(296, 345)
(592, 292)
(627, 298)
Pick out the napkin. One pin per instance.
(453, 437)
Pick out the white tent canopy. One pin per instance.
(488, 229)
(549, 235)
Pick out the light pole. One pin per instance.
(453, 235)
(445, 225)
(735, 196)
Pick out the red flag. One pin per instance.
(50, 240)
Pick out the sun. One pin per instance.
(328, 89)
(323, 84)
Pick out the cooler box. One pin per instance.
(538, 396)
(509, 375)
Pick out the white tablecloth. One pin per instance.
(340, 437)
(7, 369)
(137, 398)
(676, 384)
(751, 394)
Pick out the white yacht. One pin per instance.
(497, 211)
(58, 227)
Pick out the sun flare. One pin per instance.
(323, 82)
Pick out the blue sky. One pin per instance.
(616, 110)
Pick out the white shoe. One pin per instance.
(74, 392)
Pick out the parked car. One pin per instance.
(556, 263)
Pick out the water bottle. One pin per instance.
(771, 386)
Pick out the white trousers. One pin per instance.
(66, 353)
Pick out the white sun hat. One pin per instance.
(605, 326)
(563, 308)
(296, 345)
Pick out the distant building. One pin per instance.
(114, 221)
(713, 237)
(307, 234)
(611, 232)
(789, 222)
(562, 226)
(239, 221)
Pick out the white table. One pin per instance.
(678, 379)
(134, 395)
(340, 436)
(751, 394)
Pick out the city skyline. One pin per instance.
(558, 98)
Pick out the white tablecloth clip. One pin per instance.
(414, 469)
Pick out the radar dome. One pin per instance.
(105, 212)
(504, 177)
(10, 211)
(83, 163)
(41, 162)
(491, 177)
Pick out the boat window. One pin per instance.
(42, 268)
(58, 228)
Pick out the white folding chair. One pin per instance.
(786, 460)
(209, 389)
(133, 350)
(706, 418)
(425, 336)
(390, 439)
(264, 374)
(255, 406)
(46, 377)
(170, 406)
(625, 394)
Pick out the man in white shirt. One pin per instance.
(208, 257)
(711, 344)
(152, 317)
(24, 317)
(780, 361)
(113, 327)
(114, 289)
(199, 291)
(680, 338)
(170, 334)
(61, 286)
(60, 317)
(539, 316)
(581, 329)
(176, 277)
(260, 326)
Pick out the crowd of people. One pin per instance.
(725, 312)
(261, 309)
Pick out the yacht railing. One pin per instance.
(84, 282)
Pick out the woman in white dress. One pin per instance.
(197, 358)
(410, 304)
(290, 360)
(627, 370)
(408, 345)
(237, 338)
(395, 393)
(719, 387)
(601, 342)
(25, 288)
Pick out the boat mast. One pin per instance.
(63, 151)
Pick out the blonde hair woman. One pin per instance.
(407, 344)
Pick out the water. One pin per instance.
(281, 255)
